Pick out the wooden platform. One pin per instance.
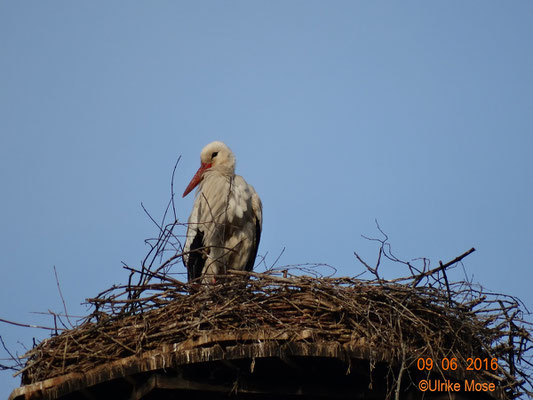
(222, 367)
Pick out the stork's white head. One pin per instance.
(216, 156)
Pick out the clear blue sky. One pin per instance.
(418, 114)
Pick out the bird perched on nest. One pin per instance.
(225, 223)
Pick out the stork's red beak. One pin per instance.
(197, 178)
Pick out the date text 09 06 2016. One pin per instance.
(471, 364)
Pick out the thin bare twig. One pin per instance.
(62, 299)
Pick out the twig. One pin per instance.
(62, 299)
(442, 267)
(27, 325)
(13, 358)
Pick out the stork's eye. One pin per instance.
(214, 154)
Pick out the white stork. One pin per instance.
(225, 223)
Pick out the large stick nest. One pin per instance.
(407, 321)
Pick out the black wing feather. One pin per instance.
(196, 259)
(251, 261)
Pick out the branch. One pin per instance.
(28, 326)
(441, 267)
(62, 299)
